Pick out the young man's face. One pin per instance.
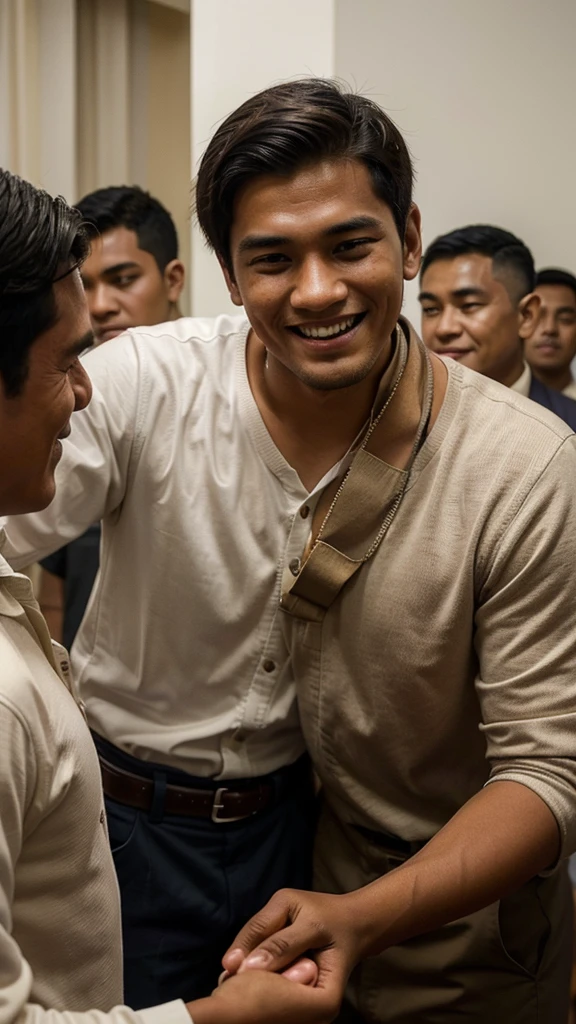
(125, 287)
(552, 346)
(469, 315)
(318, 265)
(32, 423)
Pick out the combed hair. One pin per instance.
(40, 238)
(291, 125)
(129, 206)
(554, 275)
(507, 251)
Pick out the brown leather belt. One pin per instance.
(221, 805)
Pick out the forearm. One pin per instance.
(501, 838)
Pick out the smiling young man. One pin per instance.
(315, 505)
(479, 307)
(551, 348)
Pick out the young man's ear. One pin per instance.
(529, 314)
(174, 275)
(412, 244)
(230, 283)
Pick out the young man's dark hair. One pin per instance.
(511, 259)
(290, 125)
(555, 276)
(41, 239)
(133, 208)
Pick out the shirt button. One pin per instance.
(294, 566)
(269, 665)
(305, 511)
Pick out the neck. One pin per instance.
(555, 378)
(511, 372)
(312, 428)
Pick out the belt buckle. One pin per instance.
(218, 806)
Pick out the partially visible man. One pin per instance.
(60, 939)
(551, 347)
(132, 277)
(478, 307)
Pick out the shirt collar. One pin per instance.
(522, 385)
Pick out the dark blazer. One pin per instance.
(563, 406)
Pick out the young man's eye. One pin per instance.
(469, 307)
(270, 259)
(353, 244)
(429, 310)
(124, 280)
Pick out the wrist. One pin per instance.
(204, 1011)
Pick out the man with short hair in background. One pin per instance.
(551, 347)
(478, 307)
(132, 277)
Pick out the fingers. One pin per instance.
(281, 948)
(304, 971)
(271, 919)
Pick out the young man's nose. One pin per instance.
(318, 286)
(447, 326)
(103, 302)
(82, 387)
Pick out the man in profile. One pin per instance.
(551, 347)
(132, 277)
(479, 307)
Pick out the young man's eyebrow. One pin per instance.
(457, 293)
(117, 268)
(79, 346)
(360, 223)
(261, 242)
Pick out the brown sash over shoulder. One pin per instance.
(371, 490)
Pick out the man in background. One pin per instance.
(132, 277)
(550, 349)
(478, 306)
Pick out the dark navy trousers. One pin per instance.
(187, 885)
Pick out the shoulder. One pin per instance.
(491, 446)
(173, 342)
(506, 415)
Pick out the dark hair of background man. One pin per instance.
(553, 275)
(288, 126)
(41, 238)
(130, 207)
(512, 261)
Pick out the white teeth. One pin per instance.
(328, 332)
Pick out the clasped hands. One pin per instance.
(273, 951)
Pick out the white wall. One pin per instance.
(485, 94)
(238, 48)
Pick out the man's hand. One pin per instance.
(258, 997)
(294, 923)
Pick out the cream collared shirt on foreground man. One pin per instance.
(60, 938)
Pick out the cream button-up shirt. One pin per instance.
(181, 658)
(60, 939)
